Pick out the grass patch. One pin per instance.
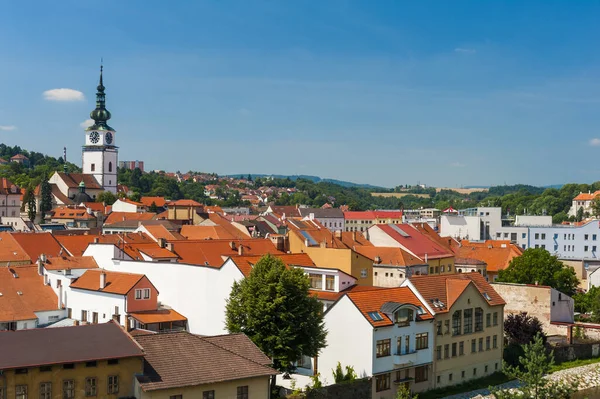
(574, 363)
(480, 383)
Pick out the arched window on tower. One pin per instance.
(110, 166)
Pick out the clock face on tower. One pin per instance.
(94, 137)
(108, 138)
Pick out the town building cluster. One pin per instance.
(129, 300)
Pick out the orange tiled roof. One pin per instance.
(158, 201)
(75, 213)
(372, 300)
(415, 241)
(159, 231)
(8, 188)
(35, 244)
(157, 316)
(192, 232)
(213, 209)
(246, 263)
(334, 296)
(128, 201)
(319, 233)
(95, 206)
(429, 232)
(153, 250)
(77, 244)
(185, 202)
(214, 252)
(115, 217)
(448, 287)
(116, 282)
(222, 221)
(390, 256)
(70, 262)
(34, 294)
(355, 239)
(11, 251)
(586, 196)
(497, 254)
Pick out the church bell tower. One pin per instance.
(100, 154)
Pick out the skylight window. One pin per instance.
(486, 296)
(375, 316)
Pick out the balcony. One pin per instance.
(405, 359)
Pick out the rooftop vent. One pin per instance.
(14, 273)
(19, 293)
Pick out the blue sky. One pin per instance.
(386, 92)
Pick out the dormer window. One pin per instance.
(404, 316)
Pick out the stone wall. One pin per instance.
(359, 389)
(576, 351)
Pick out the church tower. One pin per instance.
(100, 154)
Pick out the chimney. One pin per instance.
(338, 234)
(96, 240)
(102, 280)
(169, 246)
(40, 266)
(241, 250)
(377, 259)
(232, 245)
(60, 297)
(43, 258)
(162, 242)
(354, 236)
(426, 258)
(311, 216)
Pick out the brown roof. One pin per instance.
(34, 294)
(157, 316)
(287, 210)
(239, 343)
(72, 180)
(447, 288)
(8, 188)
(372, 300)
(181, 359)
(59, 195)
(115, 217)
(116, 282)
(70, 262)
(45, 346)
(497, 254)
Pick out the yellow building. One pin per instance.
(185, 211)
(327, 249)
(98, 360)
(468, 329)
(189, 366)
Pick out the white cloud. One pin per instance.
(63, 95)
(465, 50)
(86, 123)
(7, 128)
(245, 112)
(595, 142)
(457, 165)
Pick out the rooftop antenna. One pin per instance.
(65, 159)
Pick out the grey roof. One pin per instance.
(322, 213)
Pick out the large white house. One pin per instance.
(383, 333)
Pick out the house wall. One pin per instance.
(394, 276)
(471, 298)
(441, 265)
(197, 292)
(50, 316)
(332, 224)
(346, 260)
(125, 369)
(122, 206)
(541, 302)
(103, 303)
(349, 341)
(379, 238)
(138, 305)
(258, 388)
(10, 205)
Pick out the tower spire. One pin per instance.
(100, 115)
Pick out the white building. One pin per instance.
(387, 334)
(331, 218)
(126, 205)
(475, 224)
(583, 200)
(10, 199)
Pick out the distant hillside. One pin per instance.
(315, 179)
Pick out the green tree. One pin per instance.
(404, 393)
(534, 365)
(106, 197)
(275, 309)
(153, 207)
(339, 376)
(595, 207)
(46, 200)
(589, 302)
(579, 216)
(31, 205)
(537, 265)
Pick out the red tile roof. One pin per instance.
(159, 231)
(116, 282)
(371, 215)
(372, 301)
(8, 188)
(214, 252)
(70, 262)
(389, 256)
(414, 241)
(153, 250)
(497, 254)
(448, 287)
(207, 232)
(586, 196)
(157, 316)
(185, 202)
(68, 213)
(34, 295)
(158, 201)
(35, 244)
(116, 217)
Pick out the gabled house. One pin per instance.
(127, 205)
(469, 325)
(386, 334)
(496, 254)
